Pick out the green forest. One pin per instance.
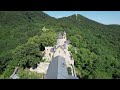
(95, 47)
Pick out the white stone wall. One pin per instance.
(59, 52)
(43, 66)
(48, 54)
(60, 41)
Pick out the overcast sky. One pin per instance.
(105, 17)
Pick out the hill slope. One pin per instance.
(98, 45)
(16, 27)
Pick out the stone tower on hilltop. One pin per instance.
(61, 38)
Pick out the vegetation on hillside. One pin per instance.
(29, 54)
(26, 74)
(95, 47)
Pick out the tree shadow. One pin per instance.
(42, 47)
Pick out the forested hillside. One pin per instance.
(95, 47)
(19, 26)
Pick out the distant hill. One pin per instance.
(98, 45)
(16, 27)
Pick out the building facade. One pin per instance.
(59, 49)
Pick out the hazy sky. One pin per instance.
(105, 17)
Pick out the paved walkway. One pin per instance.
(42, 68)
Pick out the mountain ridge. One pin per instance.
(98, 45)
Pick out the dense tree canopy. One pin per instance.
(95, 47)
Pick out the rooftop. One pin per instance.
(58, 70)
